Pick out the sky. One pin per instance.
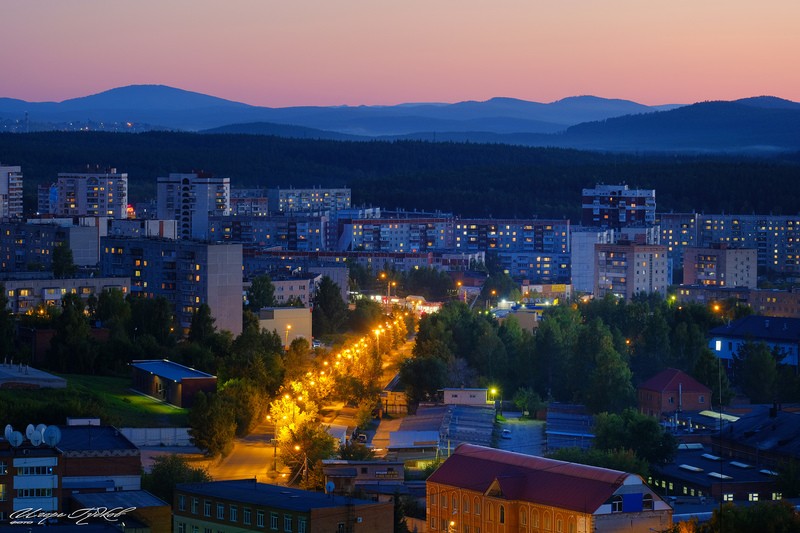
(351, 52)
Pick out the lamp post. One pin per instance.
(286, 341)
(377, 333)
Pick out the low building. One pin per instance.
(781, 335)
(153, 512)
(568, 426)
(171, 382)
(98, 459)
(26, 295)
(245, 505)
(485, 489)
(379, 480)
(19, 376)
(296, 288)
(672, 391)
(465, 396)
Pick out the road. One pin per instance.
(524, 436)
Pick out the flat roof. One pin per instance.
(169, 370)
(124, 499)
(248, 491)
(97, 438)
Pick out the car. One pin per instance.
(316, 344)
(362, 438)
(506, 434)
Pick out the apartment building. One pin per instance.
(94, 194)
(720, 265)
(191, 199)
(616, 206)
(626, 268)
(186, 273)
(26, 247)
(26, 294)
(401, 234)
(311, 199)
(300, 232)
(10, 192)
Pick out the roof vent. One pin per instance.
(766, 324)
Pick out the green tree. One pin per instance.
(709, 371)
(6, 325)
(297, 360)
(772, 517)
(528, 401)
(631, 430)
(757, 372)
(261, 293)
(422, 377)
(329, 315)
(211, 427)
(355, 451)
(72, 349)
(246, 402)
(168, 471)
(153, 318)
(303, 451)
(202, 326)
(63, 264)
(619, 459)
(366, 314)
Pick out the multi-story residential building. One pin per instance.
(340, 222)
(142, 227)
(720, 265)
(249, 202)
(301, 232)
(28, 247)
(25, 295)
(314, 199)
(582, 255)
(485, 489)
(766, 302)
(10, 192)
(401, 234)
(186, 273)
(617, 206)
(94, 194)
(625, 269)
(295, 288)
(30, 477)
(191, 199)
(46, 199)
(245, 505)
(678, 230)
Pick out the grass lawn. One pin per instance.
(125, 407)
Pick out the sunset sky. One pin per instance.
(301, 52)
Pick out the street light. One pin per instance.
(286, 342)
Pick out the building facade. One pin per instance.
(721, 266)
(672, 391)
(26, 247)
(26, 295)
(186, 273)
(781, 335)
(95, 194)
(244, 505)
(616, 206)
(489, 490)
(10, 192)
(313, 199)
(171, 382)
(191, 198)
(625, 269)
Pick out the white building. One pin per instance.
(95, 194)
(191, 199)
(10, 192)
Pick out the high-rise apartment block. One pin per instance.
(10, 192)
(94, 194)
(314, 199)
(187, 273)
(616, 206)
(192, 199)
(720, 265)
(625, 269)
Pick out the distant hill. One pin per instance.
(170, 108)
(283, 130)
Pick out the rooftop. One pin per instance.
(530, 478)
(95, 438)
(672, 379)
(124, 499)
(758, 327)
(249, 491)
(169, 370)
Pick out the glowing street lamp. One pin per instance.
(288, 329)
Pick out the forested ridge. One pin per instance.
(471, 180)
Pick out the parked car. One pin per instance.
(506, 434)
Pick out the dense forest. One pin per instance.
(471, 180)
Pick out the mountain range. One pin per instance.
(760, 124)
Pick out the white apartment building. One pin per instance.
(191, 199)
(10, 192)
(94, 194)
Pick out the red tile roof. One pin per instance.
(668, 380)
(528, 478)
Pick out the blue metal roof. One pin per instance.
(761, 328)
(168, 370)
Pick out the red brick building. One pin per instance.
(171, 382)
(485, 490)
(672, 391)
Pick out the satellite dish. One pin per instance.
(15, 439)
(36, 437)
(40, 428)
(29, 431)
(52, 435)
(9, 429)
